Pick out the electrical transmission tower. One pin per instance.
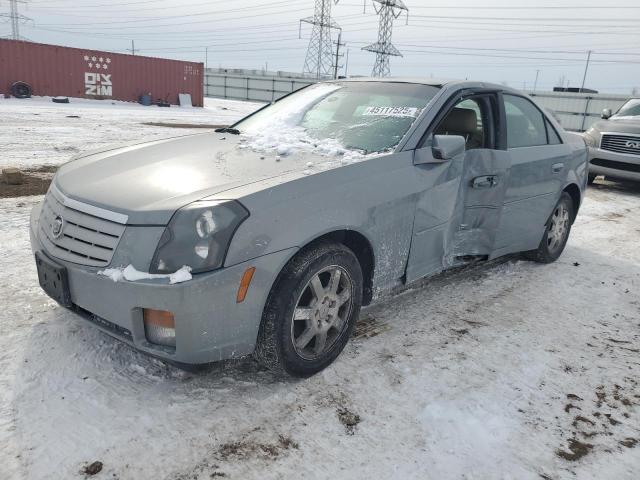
(319, 59)
(388, 10)
(15, 18)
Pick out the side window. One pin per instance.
(525, 123)
(554, 138)
(468, 119)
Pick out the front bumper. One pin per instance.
(210, 325)
(615, 165)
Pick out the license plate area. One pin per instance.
(53, 280)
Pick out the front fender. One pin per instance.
(375, 197)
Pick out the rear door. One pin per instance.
(539, 164)
(457, 216)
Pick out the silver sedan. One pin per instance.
(267, 237)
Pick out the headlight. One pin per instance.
(198, 236)
(590, 139)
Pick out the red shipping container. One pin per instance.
(74, 72)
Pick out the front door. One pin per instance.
(458, 218)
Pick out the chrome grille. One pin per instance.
(84, 238)
(619, 143)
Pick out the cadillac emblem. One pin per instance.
(57, 226)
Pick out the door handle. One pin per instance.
(557, 167)
(486, 181)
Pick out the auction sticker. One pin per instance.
(391, 111)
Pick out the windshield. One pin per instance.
(365, 116)
(630, 109)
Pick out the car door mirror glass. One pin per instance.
(606, 113)
(446, 147)
(439, 149)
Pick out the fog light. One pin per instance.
(159, 327)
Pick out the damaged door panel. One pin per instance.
(457, 216)
(435, 207)
(484, 183)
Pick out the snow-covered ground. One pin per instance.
(37, 132)
(506, 371)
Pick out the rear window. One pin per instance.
(525, 123)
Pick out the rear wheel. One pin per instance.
(556, 232)
(311, 311)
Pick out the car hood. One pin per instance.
(148, 182)
(618, 125)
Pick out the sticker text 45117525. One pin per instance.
(391, 111)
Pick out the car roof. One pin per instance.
(435, 82)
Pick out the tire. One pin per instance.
(21, 90)
(556, 232)
(295, 347)
(591, 178)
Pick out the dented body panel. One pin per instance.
(418, 213)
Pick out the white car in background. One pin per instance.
(614, 143)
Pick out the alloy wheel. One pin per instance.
(322, 311)
(558, 227)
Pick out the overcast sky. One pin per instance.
(493, 40)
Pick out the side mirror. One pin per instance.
(439, 149)
(606, 113)
(446, 147)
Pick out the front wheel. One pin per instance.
(556, 232)
(311, 311)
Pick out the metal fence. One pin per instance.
(575, 111)
(253, 85)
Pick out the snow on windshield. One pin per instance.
(350, 121)
(283, 134)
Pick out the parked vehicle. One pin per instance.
(300, 213)
(614, 143)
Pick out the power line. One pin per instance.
(537, 19)
(157, 25)
(103, 5)
(217, 13)
(466, 26)
(91, 8)
(537, 7)
(420, 48)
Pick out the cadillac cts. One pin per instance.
(267, 237)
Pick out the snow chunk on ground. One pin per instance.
(130, 274)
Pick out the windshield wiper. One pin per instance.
(232, 131)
